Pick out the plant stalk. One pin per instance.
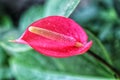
(100, 59)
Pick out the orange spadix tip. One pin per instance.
(78, 44)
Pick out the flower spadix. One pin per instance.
(53, 35)
(56, 36)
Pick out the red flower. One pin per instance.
(56, 36)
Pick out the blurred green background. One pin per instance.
(101, 20)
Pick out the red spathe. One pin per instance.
(57, 47)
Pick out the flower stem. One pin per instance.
(100, 59)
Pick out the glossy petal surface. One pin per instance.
(58, 37)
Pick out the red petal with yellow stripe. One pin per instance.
(56, 36)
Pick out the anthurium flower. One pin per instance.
(56, 36)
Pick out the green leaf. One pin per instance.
(27, 63)
(5, 72)
(10, 35)
(14, 48)
(31, 15)
(10, 47)
(101, 51)
(5, 24)
(5, 21)
(35, 74)
(61, 8)
(98, 47)
(86, 11)
(2, 57)
(115, 48)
